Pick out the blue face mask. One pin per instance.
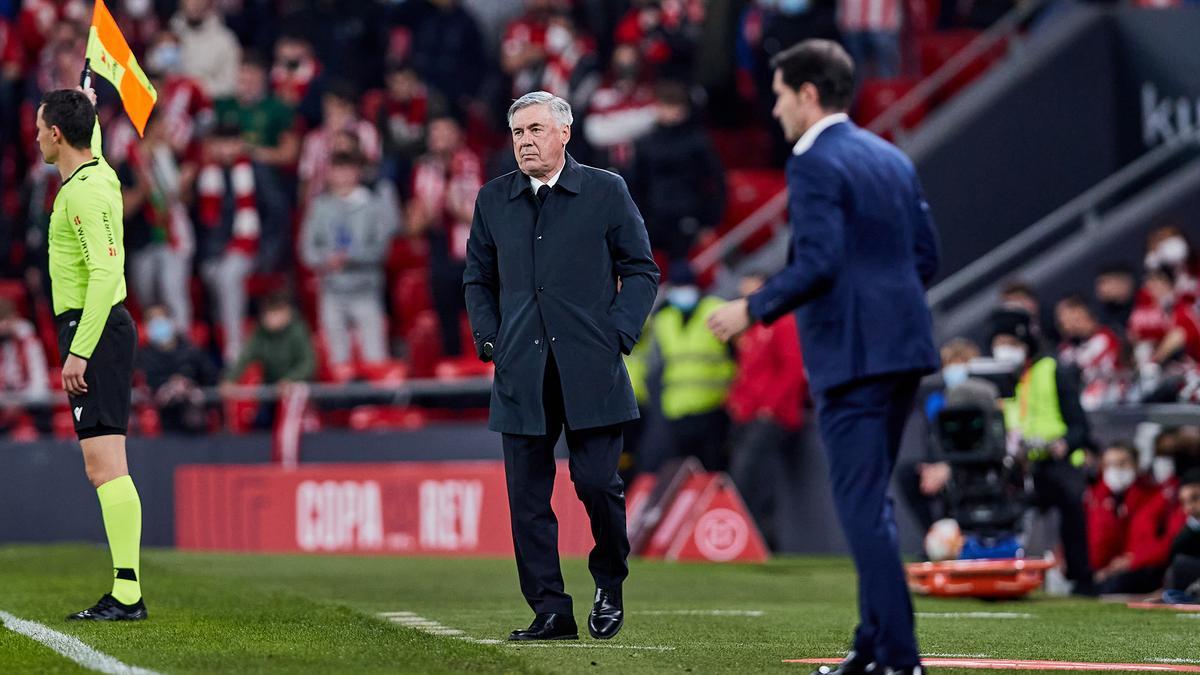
(955, 374)
(160, 330)
(684, 298)
(1194, 523)
(793, 6)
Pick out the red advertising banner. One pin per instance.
(442, 508)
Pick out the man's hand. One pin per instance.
(90, 93)
(72, 375)
(730, 320)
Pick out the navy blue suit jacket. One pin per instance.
(863, 249)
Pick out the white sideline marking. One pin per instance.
(973, 615)
(70, 647)
(1174, 660)
(701, 612)
(1188, 616)
(413, 620)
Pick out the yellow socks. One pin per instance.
(122, 509)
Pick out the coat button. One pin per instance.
(537, 341)
(539, 237)
(541, 288)
(554, 339)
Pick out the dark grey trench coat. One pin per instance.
(542, 280)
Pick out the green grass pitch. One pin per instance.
(290, 614)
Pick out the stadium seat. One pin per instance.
(424, 345)
(876, 96)
(743, 148)
(461, 366)
(380, 417)
(410, 298)
(13, 290)
(935, 49)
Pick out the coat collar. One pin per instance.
(570, 179)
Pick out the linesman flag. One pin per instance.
(108, 56)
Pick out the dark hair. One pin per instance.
(1191, 477)
(344, 91)
(672, 92)
(1115, 270)
(72, 113)
(254, 60)
(1162, 271)
(346, 159)
(1018, 287)
(1075, 301)
(277, 299)
(822, 63)
(1124, 446)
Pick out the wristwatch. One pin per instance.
(487, 350)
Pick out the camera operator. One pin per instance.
(1048, 429)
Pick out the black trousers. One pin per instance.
(529, 468)
(764, 458)
(1057, 484)
(445, 287)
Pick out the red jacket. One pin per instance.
(770, 375)
(1142, 525)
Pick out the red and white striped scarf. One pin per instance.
(211, 188)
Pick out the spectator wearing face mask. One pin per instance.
(922, 483)
(1167, 247)
(185, 108)
(174, 371)
(1130, 525)
(1092, 349)
(1183, 575)
(298, 78)
(1048, 429)
(621, 111)
(1165, 331)
(697, 371)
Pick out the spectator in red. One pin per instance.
(1168, 247)
(241, 219)
(1115, 287)
(186, 110)
(766, 403)
(621, 111)
(1130, 525)
(1093, 349)
(445, 182)
(297, 77)
(666, 32)
(209, 50)
(339, 107)
(159, 235)
(266, 122)
(1163, 326)
(871, 33)
(399, 113)
(677, 178)
(23, 370)
(40, 19)
(544, 50)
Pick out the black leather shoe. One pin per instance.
(852, 665)
(548, 627)
(109, 609)
(608, 614)
(915, 670)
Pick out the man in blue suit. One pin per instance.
(863, 250)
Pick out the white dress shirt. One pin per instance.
(535, 183)
(809, 137)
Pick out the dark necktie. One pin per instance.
(542, 193)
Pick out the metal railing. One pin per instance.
(1081, 213)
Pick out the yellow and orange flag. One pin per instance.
(109, 56)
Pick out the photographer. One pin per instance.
(1048, 429)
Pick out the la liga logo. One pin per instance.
(722, 534)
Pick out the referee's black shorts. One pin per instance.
(104, 409)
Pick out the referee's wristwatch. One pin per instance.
(487, 350)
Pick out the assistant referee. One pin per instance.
(96, 335)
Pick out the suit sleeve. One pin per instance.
(90, 216)
(925, 239)
(634, 265)
(481, 283)
(818, 231)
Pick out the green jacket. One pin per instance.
(285, 355)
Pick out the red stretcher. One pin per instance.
(992, 579)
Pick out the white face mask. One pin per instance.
(1163, 469)
(1010, 354)
(955, 374)
(1119, 480)
(1173, 251)
(1194, 523)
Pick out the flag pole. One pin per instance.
(85, 76)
